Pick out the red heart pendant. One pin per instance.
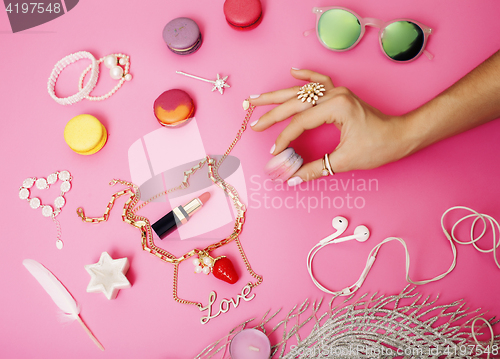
(223, 269)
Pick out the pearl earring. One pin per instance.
(116, 72)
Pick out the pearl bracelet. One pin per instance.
(116, 73)
(111, 61)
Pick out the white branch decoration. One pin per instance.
(405, 325)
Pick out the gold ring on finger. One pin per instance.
(327, 167)
(311, 92)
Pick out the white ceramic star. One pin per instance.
(108, 275)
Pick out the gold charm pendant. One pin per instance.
(221, 267)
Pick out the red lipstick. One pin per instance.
(179, 215)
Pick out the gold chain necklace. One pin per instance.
(131, 217)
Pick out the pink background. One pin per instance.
(144, 320)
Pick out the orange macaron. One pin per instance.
(173, 108)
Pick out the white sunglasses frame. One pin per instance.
(369, 21)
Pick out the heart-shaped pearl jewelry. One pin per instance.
(59, 202)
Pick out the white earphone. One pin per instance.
(340, 224)
(361, 234)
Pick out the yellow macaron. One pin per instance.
(85, 134)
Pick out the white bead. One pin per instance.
(116, 73)
(110, 61)
(51, 179)
(34, 203)
(47, 211)
(28, 183)
(59, 202)
(207, 261)
(41, 183)
(24, 193)
(128, 77)
(196, 262)
(123, 61)
(59, 244)
(197, 269)
(206, 270)
(65, 186)
(64, 175)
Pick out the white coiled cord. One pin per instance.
(449, 235)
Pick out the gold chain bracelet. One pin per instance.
(130, 216)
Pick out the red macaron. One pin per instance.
(243, 14)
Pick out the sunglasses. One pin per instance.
(401, 40)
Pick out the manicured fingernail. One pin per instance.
(254, 123)
(294, 68)
(254, 96)
(294, 181)
(273, 148)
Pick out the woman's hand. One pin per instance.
(368, 137)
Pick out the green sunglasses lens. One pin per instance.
(402, 40)
(338, 29)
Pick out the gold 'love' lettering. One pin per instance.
(225, 304)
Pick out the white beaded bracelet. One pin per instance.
(68, 60)
(110, 61)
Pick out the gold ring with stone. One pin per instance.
(311, 92)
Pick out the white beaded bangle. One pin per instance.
(111, 61)
(116, 72)
(84, 91)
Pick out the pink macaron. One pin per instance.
(243, 14)
(284, 165)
